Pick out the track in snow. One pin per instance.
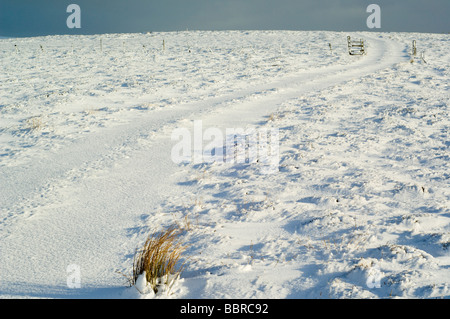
(82, 204)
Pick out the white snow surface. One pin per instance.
(358, 206)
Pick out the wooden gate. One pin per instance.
(356, 47)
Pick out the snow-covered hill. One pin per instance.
(358, 206)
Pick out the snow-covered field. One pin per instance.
(358, 206)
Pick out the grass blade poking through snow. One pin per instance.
(159, 259)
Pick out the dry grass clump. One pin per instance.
(34, 123)
(159, 259)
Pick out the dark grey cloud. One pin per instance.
(43, 17)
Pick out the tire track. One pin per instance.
(89, 195)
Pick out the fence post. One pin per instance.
(422, 56)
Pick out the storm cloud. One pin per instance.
(45, 17)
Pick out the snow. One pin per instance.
(358, 206)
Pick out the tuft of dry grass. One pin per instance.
(34, 123)
(160, 258)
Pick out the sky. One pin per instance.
(23, 18)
